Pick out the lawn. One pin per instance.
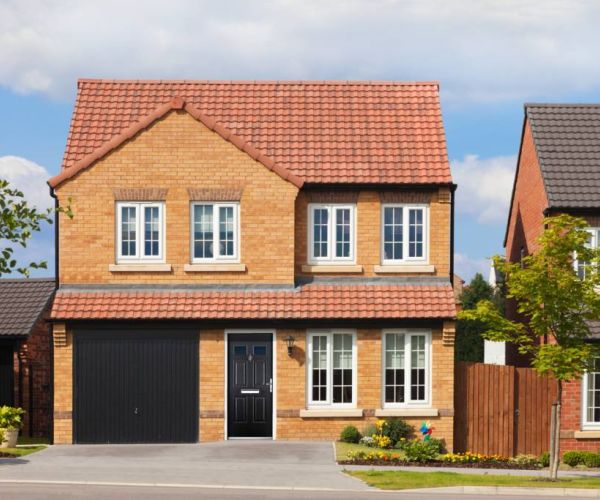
(401, 480)
(21, 451)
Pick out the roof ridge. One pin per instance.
(264, 82)
(176, 103)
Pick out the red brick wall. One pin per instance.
(571, 421)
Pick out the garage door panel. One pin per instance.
(136, 386)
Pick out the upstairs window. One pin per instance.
(404, 233)
(215, 229)
(331, 368)
(591, 397)
(406, 371)
(582, 267)
(331, 237)
(140, 232)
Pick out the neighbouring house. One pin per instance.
(558, 171)
(25, 351)
(252, 259)
(494, 353)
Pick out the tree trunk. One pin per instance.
(555, 438)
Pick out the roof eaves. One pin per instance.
(177, 103)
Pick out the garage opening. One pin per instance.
(135, 386)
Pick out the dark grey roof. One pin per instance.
(567, 141)
(22, 301)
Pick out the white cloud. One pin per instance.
(466, 267)
(479, 50)
(484, 186)
(28, 177)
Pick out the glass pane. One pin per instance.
(226, 231)
(415, 233)
(319, 372)
(418, 362)
(128, 231)
(593, 394)
(392, 233)
(203, 232)
(342, 368)
(394, 364)
(342, 232)
(151, 231)
(260, 350)
(320, 232)
(239, 350)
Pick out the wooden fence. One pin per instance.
(501, 409)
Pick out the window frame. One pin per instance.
(140, 207)
(595, 237)
(329, 333)
(408, 333)
(331, 236)
(405, 234)
(585, 423)
(233, 259)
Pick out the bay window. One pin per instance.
(331, 368)
(140, 232)
(215, 232)
(404, 233)
(331, 233)
(406, 368)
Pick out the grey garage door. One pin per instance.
(135, 386)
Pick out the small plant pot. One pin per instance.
(10, 438)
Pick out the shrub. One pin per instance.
(367, 441)
(419, 451)
(11, 418)
(529, 460)
(350, 434)
(382, 441)
(396, 429)
(573, 458)
(438, 444)
(1, 436)
(369, 430)
(545, 459)
(591, 459)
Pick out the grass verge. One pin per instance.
(21, 451)
(402, 480)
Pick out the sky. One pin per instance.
(490, 57)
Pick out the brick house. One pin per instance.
(25, 351)
(558, 172)
(252, 259)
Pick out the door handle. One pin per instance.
(135, 411)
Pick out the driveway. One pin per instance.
(263, 464)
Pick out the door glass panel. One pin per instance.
(239, 350)
(260, 350)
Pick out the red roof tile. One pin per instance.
(321, 132)
(309, 302)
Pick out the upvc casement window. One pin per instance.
(590, 411)
(331, 369)
(140, 232)
(406, 368)
(583, 267)
(215, 232)
(331, 233)
(404, 230)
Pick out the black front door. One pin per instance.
(250, 380)
(6, 375)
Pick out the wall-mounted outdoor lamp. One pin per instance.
(289, 340)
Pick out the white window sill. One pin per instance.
(331, 413)
(406, 268)
(589, 434)
(139, 268)
(214, 268)
(407, 412)
(331, 268)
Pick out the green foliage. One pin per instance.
(522, 459)
(420, 451)
(544, 459)
(350, 434)
(551, 296)
(369, 430)
(397, 429)
(592, 460)
(1, 436)
(18, 221)
(10, 417)
(573, 458)
(469, 332)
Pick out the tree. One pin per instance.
(18, 222)
(469, 333)
(556, 302)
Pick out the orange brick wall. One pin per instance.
(177, 153)
(368, 231)
(212, 384)
(63, 392)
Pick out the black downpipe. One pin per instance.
(452, 198)
(56, 284)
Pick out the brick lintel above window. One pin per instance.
(140, 194)
(232, 193)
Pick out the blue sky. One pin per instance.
(489, 57)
